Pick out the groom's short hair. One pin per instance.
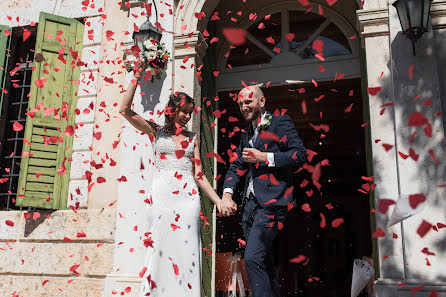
(254, 90)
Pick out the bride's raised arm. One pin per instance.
(201, 179)
(126, 107)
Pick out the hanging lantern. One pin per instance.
(414, 17)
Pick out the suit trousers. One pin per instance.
(260, 228)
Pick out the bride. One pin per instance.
(173, 262)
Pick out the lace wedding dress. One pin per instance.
(174, 262)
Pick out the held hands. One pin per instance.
(218, 205)
(253, 155)
(227, 206)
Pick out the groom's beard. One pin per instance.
(255, 115)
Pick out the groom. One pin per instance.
(269, 152)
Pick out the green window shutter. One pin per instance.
(4, 44)
(55, 36)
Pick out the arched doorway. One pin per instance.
(315, 75)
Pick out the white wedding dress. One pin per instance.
(174, 262)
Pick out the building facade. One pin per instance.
(75, 174)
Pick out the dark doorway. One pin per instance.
(332, 126)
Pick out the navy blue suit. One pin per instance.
(263, 216)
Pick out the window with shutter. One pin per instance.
(44, 168)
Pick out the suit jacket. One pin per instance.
(270, 183)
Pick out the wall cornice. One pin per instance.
(191, 44)
(373, 22)
(438, 14)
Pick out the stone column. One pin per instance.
(189, 49)
(375, 37)
(107, 121)
(136, 164)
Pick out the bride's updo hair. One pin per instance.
(173, 106)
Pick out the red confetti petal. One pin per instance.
(383, 205)
(387, 147)
(217, 156)
(410, 71)
(432, 155)
(148, 242)
(323, 221)
(427, 252)
(373, 91)
(73, 269)
(379, 233)
(273, 179)
(266, 135)
(306, 207)
(290, 36)
(415, 290)
(424, 228)
(271, 201)
(179, 153)
(39, 82)
(417, 119)
(26, 34)
(142, 272)
(349, 108)
(416, 199)
(17, 126)
(298, 259)
(433, 294)
(235, 36)
(36, 215)
(81, 234)
(241, 241)
(288, 191)
(337, 222)
(318, 45)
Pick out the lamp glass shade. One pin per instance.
(145, 31)
(415, 9)
(426, 12)
(401, 8)
(414, 16)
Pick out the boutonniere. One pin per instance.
(265, 121)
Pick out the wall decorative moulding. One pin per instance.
(373, 22)
(132, 3)
(438, 14)
(189, 44)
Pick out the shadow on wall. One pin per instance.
(151, 91)
(425, 173)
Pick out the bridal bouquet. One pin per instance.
(153, 55)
